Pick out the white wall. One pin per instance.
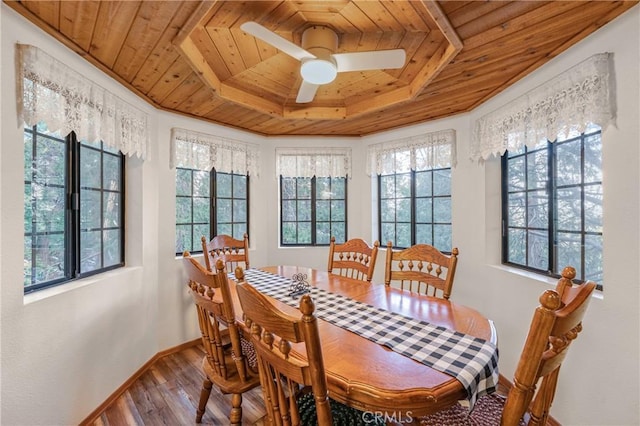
(69, 350)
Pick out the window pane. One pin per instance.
(289, 233)
(239, 210)
(337, 211)
(323, 233)
(569, 209)
(304, 188)
(388, 210)
(442, 210)
(568, 163)
(424, 234)
(223, 185)
(593, 208)
(338, 230)
(199, 231)
(403, 210)
(537, 170)
(389, 233)
(516, 209)
(239, 229)
(593, 258)
(49, 204)
(183, 238)
(442, 182)
(442, 237)
(323, 210)
(304, 211)
(569, 251)
(403, 186)
(223, 211)
(90, 251)
(339, 188)
(423, 184)
(239, 186)
(323, 188)
(50, 161)
(516, 176)
(592, 159)
(288, 188)
(112, 253)
(112, 208)
(201, 210)
(288, 210)
(90, 168)
(183, 210)
(201, 183)
(387, 186)
(403, 234)
(538, 250)
(224, 228)
(304, 232)
(111, 178)
(537, 211)
(517, 247)
(49, 258)
(423, 210)
(183, 182)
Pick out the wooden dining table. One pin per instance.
(371, 377)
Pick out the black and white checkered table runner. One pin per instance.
(473, 361)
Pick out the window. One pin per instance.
(552, 206)
(73, 209)
(415, 208)
(312, 210)
(209, 204)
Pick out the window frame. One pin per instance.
(413, 223)
(552, 187)
(313, 221)
(72, 208)
(213, 204)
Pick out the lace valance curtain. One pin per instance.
(422, 152)
(200, 151)
(50, 91)
(310, 162)
(580, 96)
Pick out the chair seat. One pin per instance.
(231, 383)
(343, 415)
(486, 412)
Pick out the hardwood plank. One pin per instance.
(405, 15)
(175, 74)
(145, 31)
(164, 54)
(377, 13)
(75, 18)
(48, 11)
(112, 26)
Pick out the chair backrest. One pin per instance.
(421, 268)
(215, 312)
(555, 324)
(233, 252)
(354, 258)
(283, 373)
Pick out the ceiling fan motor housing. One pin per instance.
(321, 42)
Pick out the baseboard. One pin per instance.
(95, 414)
(506, 385)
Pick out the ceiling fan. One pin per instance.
(320, 63)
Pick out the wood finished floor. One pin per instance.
(168, 393)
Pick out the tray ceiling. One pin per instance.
(192, 57)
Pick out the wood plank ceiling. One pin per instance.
(192, 58)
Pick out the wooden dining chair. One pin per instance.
(232, 251)
(353, 259)
(422, 269)
(555, 324)
(227, 364)
(294, 387)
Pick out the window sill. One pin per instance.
(550, 281)
(73, 285)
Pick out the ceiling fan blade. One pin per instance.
(373, 60)
(307, 92)
(275, 40)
